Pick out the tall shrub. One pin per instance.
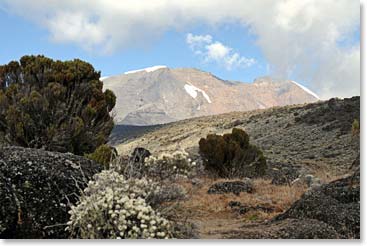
(231, 155)
(54, 105)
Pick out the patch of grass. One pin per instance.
(253, 217)
(202, 205)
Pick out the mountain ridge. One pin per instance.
(159, 94)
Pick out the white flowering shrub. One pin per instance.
(169, 166)
(115, 208)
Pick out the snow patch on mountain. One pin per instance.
(147, 70)
(192, 91)
(261, 106)
(104, 77)
(306, 89)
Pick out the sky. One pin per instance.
(314, 42)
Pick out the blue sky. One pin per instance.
(316, 43)
(170, 50)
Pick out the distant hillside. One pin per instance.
(315, 136)
(159, 95)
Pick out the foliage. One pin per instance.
(163, 167)
(104, 154)
(355, 127)
(231, 155)
(54, 105)
(167, 166)
(113, 207)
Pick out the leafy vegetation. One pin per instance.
(104, 155)
(355, 127)
(231, 155)
(54, 105)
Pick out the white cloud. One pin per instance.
(210, 51)
(217, 51)
(297, 37)
(195, 41)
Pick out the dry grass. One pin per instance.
(204, 206)
(212, 215)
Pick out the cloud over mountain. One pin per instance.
(302, 38)
(210, 51)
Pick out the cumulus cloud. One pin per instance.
(210, 51)
(297, 37)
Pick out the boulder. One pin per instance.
(308, 180)
(283, 173)
(139, 154)
(285, 229)
(336, 204)
(135, 164)
(235, 187)
(241, 209)
(36, 189)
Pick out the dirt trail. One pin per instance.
(213, 217)
(214, 228)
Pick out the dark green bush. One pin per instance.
(104, 154)
(231, 155)
(54, 105)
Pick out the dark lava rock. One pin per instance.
(235, 187)
(285, 229)
(36, 187)
(336, 204)
(135, 164)
(243, 209)
(283, 174)
(234, 204)
(139, 154)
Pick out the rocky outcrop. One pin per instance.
(330, 211)
(241, 209)
(283, 174)
(235, 187)
(336, 204)
(36, 188)
(285, 229)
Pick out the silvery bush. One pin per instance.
(169, 166)
(113, 207)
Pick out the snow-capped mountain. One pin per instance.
(159, 94)
(147, 70)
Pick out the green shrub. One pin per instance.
(113, 207)
(231, 155)
(355, 127)
(104, 154)
(54, 105)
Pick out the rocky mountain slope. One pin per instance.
(160, 95)
(313, 136)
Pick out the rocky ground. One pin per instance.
(306, 146)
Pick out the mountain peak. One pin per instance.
(306, 89)
(147, 69)
(155, 98)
